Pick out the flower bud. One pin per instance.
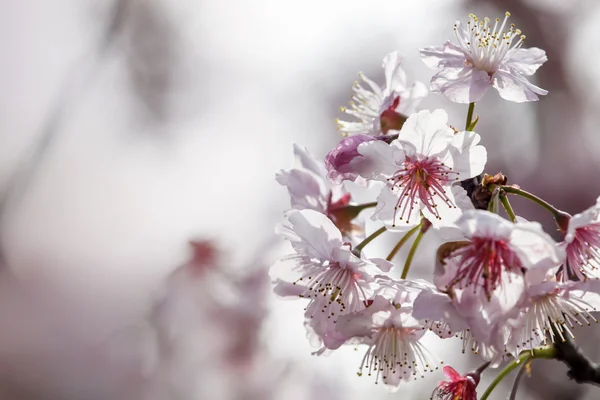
(338, 160)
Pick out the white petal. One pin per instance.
(526, 61)
(377, 160)
(461, 85)
(449, 214)
(425, 133)
(513, 86)
(484, 224)
(311, 233)
(395, 77)
(535, 248)
(308, 161)
(448, 55)
(469, 159)
(306, 189)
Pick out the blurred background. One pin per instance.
(130, 127)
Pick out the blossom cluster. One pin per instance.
(502, 286)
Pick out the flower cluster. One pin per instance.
(504, 287)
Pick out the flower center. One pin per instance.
(332, 290)
(583, 253)
(554, 314)
(488, 46)
(420, 181)
(396, 353)
(483, 263)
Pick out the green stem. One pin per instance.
(554, 211)
(493, 204)
(413, 249)
(508, 207)
(368, 240)
(540, 352)
(470, 115)
(365, 205)
(404, 239)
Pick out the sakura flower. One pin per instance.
(582, 244)
(395, 352)
(420, 168)
(547, 312)
(331, 277)
(499, 252)
(457, 387)
(309, 188)
(485, 56)
(382, 108)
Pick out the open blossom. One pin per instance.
(382, 108)
(334, 280)
(457, 387)
(310, 189)
(420, 168)
(499, 251)
(582, 244)
(485, 55)
(395, 352)
(548, 310)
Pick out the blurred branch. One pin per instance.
(81, 76)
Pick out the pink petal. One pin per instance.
(461, 85)
(513, 86)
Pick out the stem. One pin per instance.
(554, 211)
(363, 206)
(526, 355)
(413, 249)
(515, 388)
(470, 116)
(368, 240)
(508, 207)
(493, 204)
(404, 239)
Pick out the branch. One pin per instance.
(581, 368)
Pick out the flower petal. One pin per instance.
(376, 160)
(461, 85)
(425, 133)
(526, 61)
(448, 55)
(513, 86)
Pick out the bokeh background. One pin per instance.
(130, 127)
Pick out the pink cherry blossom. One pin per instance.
(310, 189)
(420, 168)
(547, 312)
(330, 276)
(395, 352)
(457, 387)
(582, 244)
(485, 56)
(381, 108)
(499, 251)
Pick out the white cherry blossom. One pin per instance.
(377, 108)
(483, 56)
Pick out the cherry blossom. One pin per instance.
(498, 253)
(485, 55)
(420, 168)
(330, 276)
(309, 189)
(457, 386)
(548, 310)
(582, 244)
(382, 108)
(395, 352)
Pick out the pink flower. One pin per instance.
(499, 252)
(548, 310)
(393, 335)
(485, 56)
(309, 189)
(420, 168)
(334, 280)
(382, 108)
(582, 244)
(457, 387)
